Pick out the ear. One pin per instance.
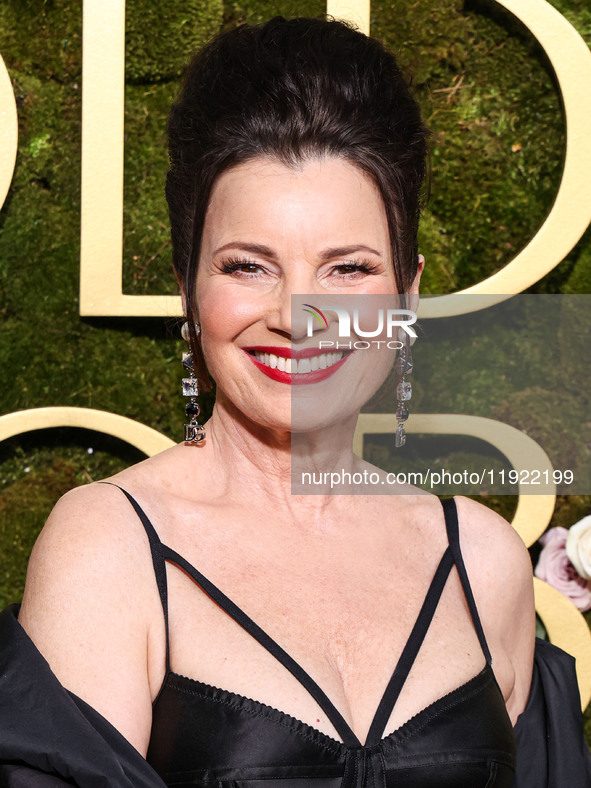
(414, 290)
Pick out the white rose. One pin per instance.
(578, 547)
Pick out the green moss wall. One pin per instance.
(486, 90)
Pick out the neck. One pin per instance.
(252, 461)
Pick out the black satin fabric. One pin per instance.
(550, 748)
(208, 737)
(51, 738)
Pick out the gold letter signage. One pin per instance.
(101, 261)
(8, 132)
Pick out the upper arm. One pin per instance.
(84, 608)
(501, 577)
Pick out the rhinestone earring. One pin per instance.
(185, 331)
(404, 367)
(194, 432)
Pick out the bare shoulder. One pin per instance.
(494, 548)
(500, 571)
(88, 603)
(91, 533)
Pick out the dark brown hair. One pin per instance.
(293, 90)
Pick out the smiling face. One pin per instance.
(270, 232)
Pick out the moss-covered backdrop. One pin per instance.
(487, 93)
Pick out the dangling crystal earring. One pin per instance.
(185, 331)
(194, 432)
(404, 367)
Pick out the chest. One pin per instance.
(342, 612)
(335, 597)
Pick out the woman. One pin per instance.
(297, 156)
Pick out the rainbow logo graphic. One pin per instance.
(312, 310)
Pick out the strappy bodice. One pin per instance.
(210, 737)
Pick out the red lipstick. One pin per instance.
(295, 379)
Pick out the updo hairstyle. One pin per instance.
(292, 90)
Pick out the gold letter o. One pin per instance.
(144, 438)
(8, 132)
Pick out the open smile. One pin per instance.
(296, 367)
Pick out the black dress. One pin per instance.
(212, 738)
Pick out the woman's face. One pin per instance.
(273, 231)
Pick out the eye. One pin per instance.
(354, 269)
(242, 267)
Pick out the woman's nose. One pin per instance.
(287, 314)
(288, 317)
(299, 319)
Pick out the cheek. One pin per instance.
(375, 317)
(224, 315)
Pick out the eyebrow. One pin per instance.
(266, 251)
(342, 251)
(326, 254)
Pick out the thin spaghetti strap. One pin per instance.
(157, 561)
(453, 534)
(253, 629)
(411, 650)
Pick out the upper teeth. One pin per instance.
(300, 367)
